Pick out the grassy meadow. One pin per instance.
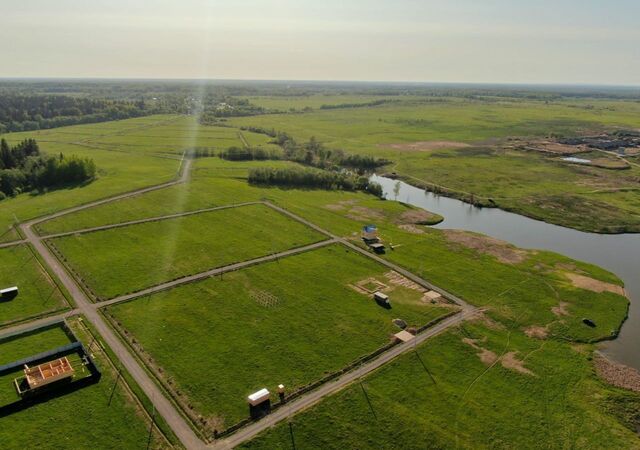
(38, 294)
(290, 321)
(88, 418)
(587, 198)
(526, 394)
(123, 260)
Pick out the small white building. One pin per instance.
(258, 397)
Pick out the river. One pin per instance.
(618, 253)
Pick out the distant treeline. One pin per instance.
(315, 154)
(24, 168)
(357, 105)
(19, 112)
(313, 178)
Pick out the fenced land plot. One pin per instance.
(128, 259)
(290, 321)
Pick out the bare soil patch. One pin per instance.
(361, 213)
(486, 356)
(617, 374)
(425, 146)
(536, 332)
(400, 280)
(340, 205)
(561, 309)
(501, 250)
(510, 361)
(555, 147)
(591, 284)
(609, 163)
(411, 228)
(418, 217)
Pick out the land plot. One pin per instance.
(124, 260)
(38, 294)
(291, 321)
(445, 396)
(102, 415)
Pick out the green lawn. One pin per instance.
(443, 396)
(290, 321)
(123, 260)
(38, 294)
(87, 418)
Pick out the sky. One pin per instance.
(478, 41)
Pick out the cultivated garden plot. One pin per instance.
(473, 387)
(37, 292)
(290, 321)
(100, 415)
(128, 259)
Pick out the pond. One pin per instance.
(619, 253)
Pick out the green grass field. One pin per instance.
(87, 418)
(527, 183)
(444, 396)
(123, 260)
(38, 294)
(214, 182)
(290, 321)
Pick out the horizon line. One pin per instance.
(328, 81)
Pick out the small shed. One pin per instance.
(382, 299)
(9, 293)
(404, 336)
(258, 397)
(370, 233)
(259, 403)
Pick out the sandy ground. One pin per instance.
(509, 361)
(561, 309)
(411, 228)
(590, 284)
(425, 146)
(555, 147)
(536, 332)
(501, 250)
(617, 374)
(416, 217)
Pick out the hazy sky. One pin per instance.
(523, 41)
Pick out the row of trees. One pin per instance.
(248, 154)
(313, 178)
(24, 168)
(24, 112)
(314, 153)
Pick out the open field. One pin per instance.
(118, 170)
(298, 103)
(290, 321)
(123, 260)
(38, 294)
(474, 387)
(102, 415)
(526, 288)
(213, 182)
(587, 198)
